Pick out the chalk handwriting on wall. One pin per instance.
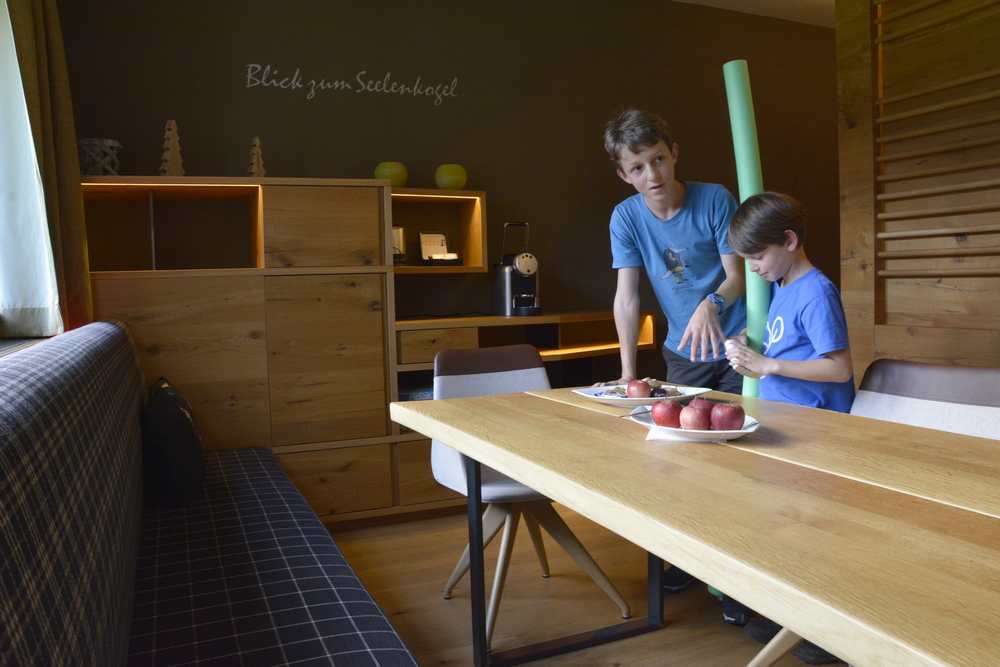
(363, 83)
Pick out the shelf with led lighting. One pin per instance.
(458, 214)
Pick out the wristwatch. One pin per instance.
(718, 301)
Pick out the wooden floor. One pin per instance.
(405, 565)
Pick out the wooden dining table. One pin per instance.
(878, 541)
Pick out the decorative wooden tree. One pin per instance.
(256, 166)
(171, 162)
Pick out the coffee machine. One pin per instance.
(517, 278)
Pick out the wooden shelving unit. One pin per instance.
(458, 214)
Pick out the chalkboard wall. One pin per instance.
(519, 93)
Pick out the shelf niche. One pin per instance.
(142, 227)
(458, 214)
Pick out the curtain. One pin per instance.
(45, 78)
(29, 298)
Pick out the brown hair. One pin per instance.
(635, 129)
(761, 221)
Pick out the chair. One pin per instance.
(500, 370)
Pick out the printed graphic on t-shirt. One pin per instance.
(675, 264)
(775, 332)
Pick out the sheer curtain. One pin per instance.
(29, 295)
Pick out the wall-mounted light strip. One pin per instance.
(410, 196)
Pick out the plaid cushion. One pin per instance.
(70, 498)
(247, 574)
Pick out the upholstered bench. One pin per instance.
(245, 574)
(958, 399)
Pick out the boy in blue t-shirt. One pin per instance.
(807, 356)
(676, 232)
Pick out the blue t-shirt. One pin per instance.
(806, 321)
(681, 255)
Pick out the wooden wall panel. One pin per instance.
(205, 335)
(326, 352)
(857, 176)
(934, 203)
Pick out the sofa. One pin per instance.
(244, 574)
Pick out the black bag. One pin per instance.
(173, 468)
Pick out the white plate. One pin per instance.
(690, 435)
(603, 395)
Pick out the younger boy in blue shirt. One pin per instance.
(807, 356)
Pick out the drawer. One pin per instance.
(419, 347)
(416, 480)
(348, 479)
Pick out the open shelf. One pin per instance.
(150, 226)
(458, 214)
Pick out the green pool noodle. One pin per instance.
(751, 182)
(748, 174)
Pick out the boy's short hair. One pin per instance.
(761, 221)
(635, 129)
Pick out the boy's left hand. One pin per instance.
(739, 354)
(704, 331)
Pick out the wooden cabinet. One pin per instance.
(206, 334)
(326, 352)
(343, 480)
(416, 480)
(322, 226)
(268, 303)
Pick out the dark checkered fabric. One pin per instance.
(70, 498)
(249, 575)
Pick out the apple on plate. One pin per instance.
(638, 389)
(701, 404)
(667, 413)
(697, 416)
(727, 417)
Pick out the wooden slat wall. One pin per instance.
(920, 178)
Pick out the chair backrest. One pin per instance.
(958, 399)
(477, 372)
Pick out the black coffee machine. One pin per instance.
(517, 279)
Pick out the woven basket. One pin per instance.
(99, 157)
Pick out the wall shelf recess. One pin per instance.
(459, 214)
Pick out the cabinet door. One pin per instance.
(349, 479)
(205, 335)
(416, 479)
(326, 355)
(322, 226)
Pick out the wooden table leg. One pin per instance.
(780, 644)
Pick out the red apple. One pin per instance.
(701, 404)
(667, 413)
(727, 417)
(638, 389)
(695, 417)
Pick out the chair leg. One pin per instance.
(780, 644)
(500, 576)
(493, 518)
(536, 539)
(557, 528)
